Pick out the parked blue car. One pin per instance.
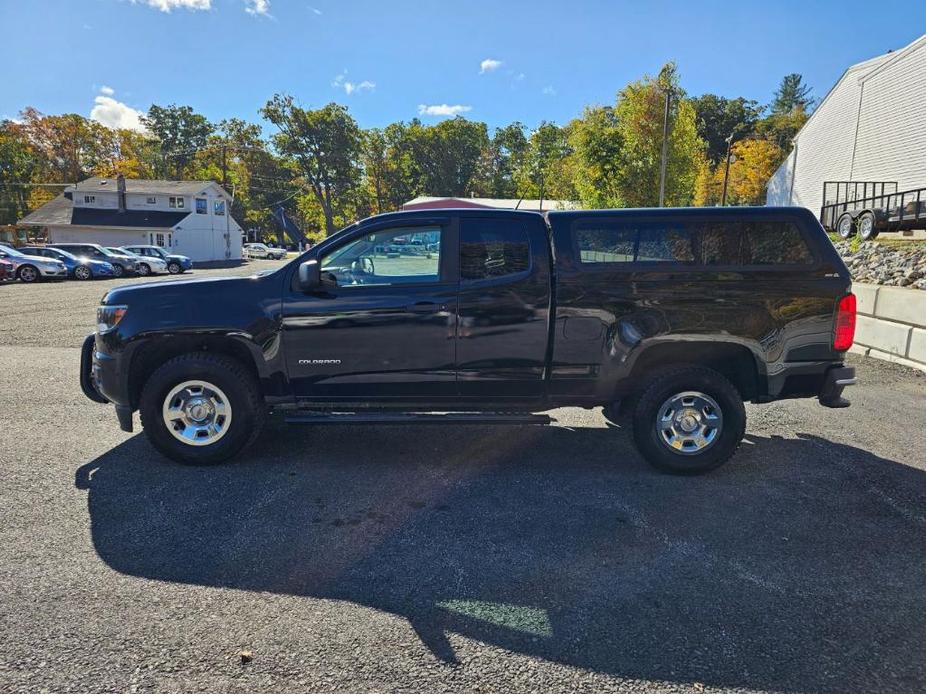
(78, 268)
(175, 263)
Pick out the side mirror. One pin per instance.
(310, 275)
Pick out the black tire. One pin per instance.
(143, 269)
(29, 274)
(679, 380)
(82, 272)
(174, 268)
(118, 270)
(865, 224)
(845, 226)
(237, 383)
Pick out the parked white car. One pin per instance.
(262, 250)
(145, 265)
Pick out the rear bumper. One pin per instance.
(836, 380)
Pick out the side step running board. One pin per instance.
(325, 417)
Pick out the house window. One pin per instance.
(220, 207)
(202, 206)
(160, 240)
(176, 202)
(89, 199)
(151, 200)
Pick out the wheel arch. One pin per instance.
(737, 362)
(148, 355)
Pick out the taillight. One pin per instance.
(844, 330)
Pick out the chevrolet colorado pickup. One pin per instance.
(670, 319)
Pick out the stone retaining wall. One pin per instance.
(891, 324)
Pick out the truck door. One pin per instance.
(503, 305)
(386, 329)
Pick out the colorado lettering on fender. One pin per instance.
(317, 362)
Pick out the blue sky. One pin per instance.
(494, 61)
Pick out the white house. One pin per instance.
(870, 127)
(189, 218)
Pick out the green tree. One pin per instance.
(639, 110)
(546, 171)
(17, 166)
(792, 94)
(597, 144)
(500, 160)
(447, 155)
(324, 146)
(181, 132)
(719, 117)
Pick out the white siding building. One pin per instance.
(870, 127)
(190, 218)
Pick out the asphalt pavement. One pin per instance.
(459, 559)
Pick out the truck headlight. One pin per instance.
(108, 317)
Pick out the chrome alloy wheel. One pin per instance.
(28, 274)
(865, 226)
(197, 413)
(689, 423)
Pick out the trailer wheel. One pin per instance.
(866, 226)
(845, 227)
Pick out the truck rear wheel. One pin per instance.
(689, 420)
(200, 409)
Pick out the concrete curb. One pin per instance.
(891, 324)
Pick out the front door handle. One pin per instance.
(424, 307)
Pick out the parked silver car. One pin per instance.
(262, 250)
(33, 268)
(144, 265)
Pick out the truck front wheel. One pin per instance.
(200, 408)
(689, 420)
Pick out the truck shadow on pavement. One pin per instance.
(798, 566)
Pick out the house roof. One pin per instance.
(61, 212)
(98, 184)
(498, 203)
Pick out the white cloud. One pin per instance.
(315, 10)
(520, 77)
(341, 82)
(115, 114)
(442, 109)
(257, 7)
(108, 91)
(548, 90)
(488, 65)
(168, 5)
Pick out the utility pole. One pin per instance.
(726, 171)
(665, 149)
(224, 167)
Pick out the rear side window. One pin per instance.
(641, 243)
(491, 248)
(713, 243)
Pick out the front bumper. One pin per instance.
(53, 273)
(836, 380)
(99, 380)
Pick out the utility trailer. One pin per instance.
(870, 207)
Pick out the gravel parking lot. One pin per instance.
(478, 560)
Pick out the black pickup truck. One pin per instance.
(670, 318)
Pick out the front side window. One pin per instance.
(202, 206)
(405, 255)
(219, 208)
(492, 248)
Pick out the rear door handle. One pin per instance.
(424, 307)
